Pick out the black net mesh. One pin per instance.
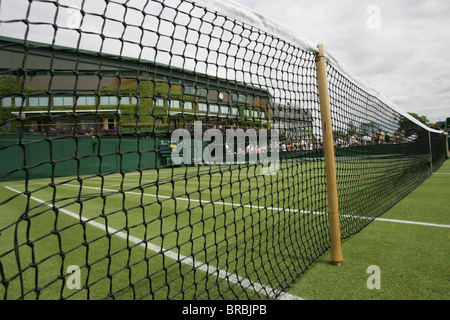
(162, 150)
(381, 155)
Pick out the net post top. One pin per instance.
(320, 55)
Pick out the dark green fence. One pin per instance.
(36, 157)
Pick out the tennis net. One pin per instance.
(166, 150)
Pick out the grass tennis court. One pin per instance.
(179, 232)
(409, 243)
(155, 220)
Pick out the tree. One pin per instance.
(422, 119)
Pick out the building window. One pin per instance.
(172, 125)
(224, 110)
(128, 100)
(86, 101)
(7, 102)
(63, 101)
(214, 108)
(109, 123)
(188, 105)
(255, 113)
(159, 125)
(189, 91)
(18, 101)
(174, 104)
(263, 114)
(247, 113)
(159, 102)
(235, 111)
(38, 101)
(108, 100)
(240, 98)
(124, 100)
(202, 92)
(202, 107)
(192, 91)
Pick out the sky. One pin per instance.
(399, 47)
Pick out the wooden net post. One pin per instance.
(330, 166)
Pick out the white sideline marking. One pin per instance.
(233, 278)
(196, 200)
(269, 208)
(414, 222)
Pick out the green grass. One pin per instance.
(233, 232)
(414, 260)
(225, 221)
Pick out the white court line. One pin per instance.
(414, 222)
(270, 208)
(231, 277)
(201, 201)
